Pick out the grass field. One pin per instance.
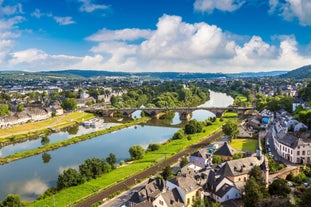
(56, 122)
(244, 144)
(166, 150)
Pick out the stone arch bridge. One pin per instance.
(156, 113)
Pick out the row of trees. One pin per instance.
(168, 94)
(274, 103)
(90, 169)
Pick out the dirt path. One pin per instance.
(147, 173)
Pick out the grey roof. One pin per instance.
(202, 153)
(223, 190)
(239, 167)
(172, 198)
(288, 139)
(225, 150)
(186, 184)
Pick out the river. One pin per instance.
(31, 176)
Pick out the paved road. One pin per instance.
(147, 173)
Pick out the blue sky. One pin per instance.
(155, 35)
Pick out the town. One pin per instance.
(260, 156)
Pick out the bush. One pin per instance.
(137, 152)
(178, 135)
(153, 147)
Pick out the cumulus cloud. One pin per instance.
(173, 46)
(124, 34)
(178, 40)
(223, 5)
(28, 188)
(89, 6)
(64, 20)
(291, 9)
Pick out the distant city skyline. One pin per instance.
(209, 36)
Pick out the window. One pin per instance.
(192, 198)
(298, 153)
(303, 152)
(188, 201)
(161, 202)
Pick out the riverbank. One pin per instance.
(73, 140)
(166, 151)
(20, 133)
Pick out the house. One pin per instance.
(293, 148)
(298, 102)
(187, 188)
(226, 152)
(57, 110)
(82, 102)
(170, 198)
(37, 113)
(237, 170)
(148, 194)
(201, 158)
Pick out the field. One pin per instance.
(248, 145)
(56, 122)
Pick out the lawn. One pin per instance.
(248, 145)
(56, 122)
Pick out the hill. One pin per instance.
(299, 73)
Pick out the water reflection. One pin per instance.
(66, 133)
(46, 157)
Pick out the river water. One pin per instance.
(31, 176)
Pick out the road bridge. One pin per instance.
(156, 113)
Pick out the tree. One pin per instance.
(167, 172)
(305, 198)
(279, 187)
(69, 177)
(253, 193)
(256, 173)
(183, 162)
(94, 167)
(177, 135)
(137, 152)
(193, 127)
(230, 128)
(69, 104)
(153, 147)
(198, 203)
(112, 159)
(274, 202)
(217, 159)
(20, 107)
(11, 200)
(4, 109)
(237, 156)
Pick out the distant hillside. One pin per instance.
(257, 74)
(299, 73)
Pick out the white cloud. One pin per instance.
(64, 20)
(38, 14)
(173, 46)
(291, 9)
(222, 5)
(89, 6)
(10, 10)
(124, 34)
(178, 40)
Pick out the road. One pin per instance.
(146, 173)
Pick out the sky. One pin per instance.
(208, 36)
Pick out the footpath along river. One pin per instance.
(31, 176)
